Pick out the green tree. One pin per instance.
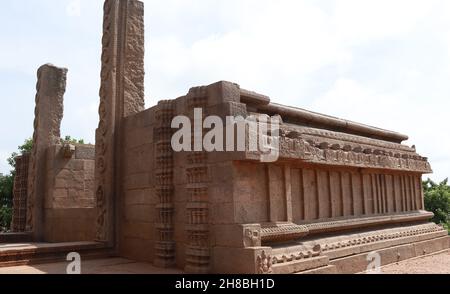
(69, 139)
(437, 200)
(26, 147)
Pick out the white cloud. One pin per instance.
(359, 21)
(286, 40)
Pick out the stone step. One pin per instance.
(325, 270)
(301, 265)
(348, 254)
(15, 238)
(38, 253)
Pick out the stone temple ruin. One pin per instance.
(339, 191)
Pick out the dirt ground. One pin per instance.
(434, 264)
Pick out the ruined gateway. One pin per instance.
(339, 191)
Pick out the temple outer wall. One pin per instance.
(172, 201)
(193, 210)
(137, 221)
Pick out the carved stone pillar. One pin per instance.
(165, 246)
(20, 193)
(121, 95)
(51, 87)
(198, 252)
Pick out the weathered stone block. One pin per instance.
(140, 197)
(137, 181)
(223, 213)
(140, 213)
(222, 92)
(243, 261)
(237, 236)
(85, 152)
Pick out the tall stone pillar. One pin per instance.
(51, 87)
(121, 95)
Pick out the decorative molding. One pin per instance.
(314, 251)
(323, 247)
(252, 237)
(264, 264)
(198, 253)
(20, 192)
(368, 238)
(164, 173)
(326, 135)
(361, 222)
(352, 155)
(282, 232)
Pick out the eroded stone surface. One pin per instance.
(51, 87)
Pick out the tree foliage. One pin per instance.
(437, 200)
(26, 147)
(69, 139)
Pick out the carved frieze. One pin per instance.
(352, 153)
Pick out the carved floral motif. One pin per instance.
(264, 263)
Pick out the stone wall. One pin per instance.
(170, 200)
(138, 218)
(69, 206)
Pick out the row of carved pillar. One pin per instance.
(165, 246)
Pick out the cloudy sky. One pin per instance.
(381, 62)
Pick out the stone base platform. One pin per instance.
(9, 238)
(348, 254)
(89, 267)
(336, 253)
(36, 253)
